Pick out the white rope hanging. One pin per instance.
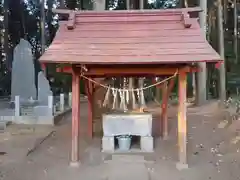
(115, 96)
(127, 96)
(134, 104)
(124, 94)
(141, 99)
(106, 99)
(136, 90)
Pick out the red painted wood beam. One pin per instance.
(218, 65)
(75, 118)
(43, 66)
(130, 71)
(182, 120)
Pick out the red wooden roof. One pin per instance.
(130, 37)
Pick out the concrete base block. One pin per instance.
(146, 143)
(108, 144)
(75, 164)
(3, 126)
(181, 166)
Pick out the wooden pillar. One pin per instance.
(182, 121)
(164, 123)
(89, 92)
(166, 91)
(75, 118)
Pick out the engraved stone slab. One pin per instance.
(44, 89)
(23, 72)
(127, 124)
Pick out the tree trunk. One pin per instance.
(222, 81)
(141, 80)
(99, 5)
(225, 11)
(6, 40)
(43, 43)
(202, 76)
(62, 4)
(141, 4)
(99, 94)
(235, 31)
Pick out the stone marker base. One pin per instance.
(3, 125)
(181, 166)
(146, 143)
(75, 164)
(108, 144)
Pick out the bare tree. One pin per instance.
(235, 31)
(222, 82)
(202, 76)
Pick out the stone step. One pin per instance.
(121, 170)
(27, 111)
(3, 125)
(128, 158)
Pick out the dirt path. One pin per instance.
(211, 151)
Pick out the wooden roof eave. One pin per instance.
(177, 10)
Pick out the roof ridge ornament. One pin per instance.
(186, 19)
(71, 20)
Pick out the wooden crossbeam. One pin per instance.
(123, 71)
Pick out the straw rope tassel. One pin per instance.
(114, 93)
(125, 100)
(138, 96)
(134, 104)
(127, 96)
(121, 99)
(142, 98)
(106, 99)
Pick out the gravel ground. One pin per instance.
(213, 153)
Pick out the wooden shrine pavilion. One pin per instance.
(136, 43)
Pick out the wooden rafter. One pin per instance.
(186, 19)
(71, 21)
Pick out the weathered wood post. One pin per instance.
(75, 118)
(182, 121)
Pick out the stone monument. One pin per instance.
(23, 72)
(44, 89)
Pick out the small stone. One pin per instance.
(75, 164)
(235, 140)
(222, 124)
(181, 166)
(196, 153)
